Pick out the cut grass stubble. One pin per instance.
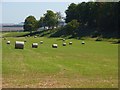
(91, 65)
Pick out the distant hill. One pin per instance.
(12, 24)
(22, 23)
(12, 27)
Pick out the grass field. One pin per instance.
(93, 65)
(14, 34)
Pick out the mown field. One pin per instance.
(93, 65)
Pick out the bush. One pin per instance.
(99, 39)
(71, 27)
(95, 34)
(118, 41)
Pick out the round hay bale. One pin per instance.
(25, 36)
(41, 42)
(63, 39)
(70, 43)
(54, 46)
(99, 39)
(83, 42)
(35, 45)
(35, 36)
(19, 45)
(28, 35)
(64, 44)
(8, 42)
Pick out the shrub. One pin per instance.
(99, 39)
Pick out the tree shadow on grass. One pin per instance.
(32, 34)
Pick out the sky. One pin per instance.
(16, 12)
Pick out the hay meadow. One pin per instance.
(93, 65)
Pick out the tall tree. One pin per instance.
(72, 26)
(71, 12)
(50, 19)
(97, 16)
(59, 18)
(59, 15)
(41, 22)
(30, 24)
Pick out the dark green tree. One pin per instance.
(102, 17)
(50, 19)
(30, 24)
(41, 22)
(59, 17)
(72, 26)
(71, 12)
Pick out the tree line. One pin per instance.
(94, 18)
(99, 17)
(49, 19)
